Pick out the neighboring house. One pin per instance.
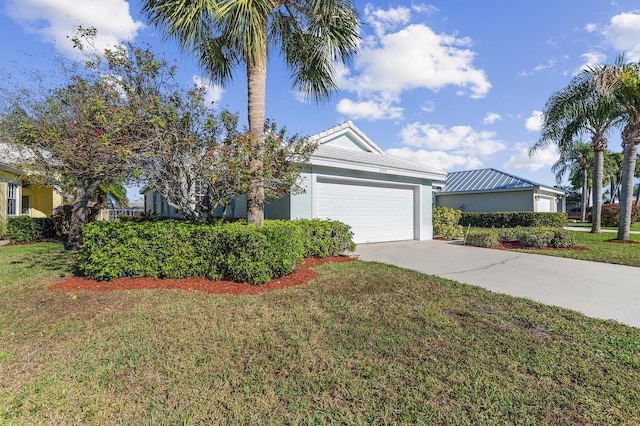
(490, 190)
(19, 197)
(350, 179)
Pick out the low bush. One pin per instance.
(446, 223)
(513, 219)
(538, 238)
(563, 239)
(487, 238)
(24, 229)
(324, 238)
(180, 249)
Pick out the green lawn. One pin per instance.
(634, 227)
(598, 249)
(364, 343)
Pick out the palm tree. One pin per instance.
(620, 82)
(575, 110)
(613, 162)
(313, 36)
(577, 159)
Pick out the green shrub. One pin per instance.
(539, 238)
(513, 219)
(487, 238)
(3, 228)
(324, 238)
(446, 223)
(179, 249)
(563, 239)
(24, 229)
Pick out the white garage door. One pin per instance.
(543, 205)
(375, 212)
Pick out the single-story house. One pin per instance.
(18, 197)
(349, 178)
(491, 190)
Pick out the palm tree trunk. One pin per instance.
(626, 195)
(256, 88)
(598, 161)
(585, 183)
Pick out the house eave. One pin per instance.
(389, 171)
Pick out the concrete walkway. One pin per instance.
(598, 290)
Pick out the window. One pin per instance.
(25, 205)
(12, 198)
(200, 192)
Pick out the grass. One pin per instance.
(598, 249)
(365, 343)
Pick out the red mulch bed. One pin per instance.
(301, 276)
(622, 241)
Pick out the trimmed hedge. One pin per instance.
(530, 237)
(610, 215)
(513, 219)
(25, 229)
(179, 249)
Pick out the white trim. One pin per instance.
(390, 171)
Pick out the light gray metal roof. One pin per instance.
(383, 161)
(486, 180)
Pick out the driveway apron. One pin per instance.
(598, 290)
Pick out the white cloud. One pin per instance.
(590, 28)
(54, 21)
(590, 58)
(402, 56)
(534, 123)
(428, 9)
(491, 118)
(437, 159)
(462, 141)
(541, 159)
(214, 92)
(623, 33)
(369, 110)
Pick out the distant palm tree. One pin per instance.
(580, 109)
(620, 82)
(577, 159)
(312, 36)
(613, 163)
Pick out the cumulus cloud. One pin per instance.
(623, 33)
(491, 118)
(368, 110)
(401, 56)
(534, 123)
(459, 140)
(541, 159)
(589, 59)
(439, 160)
(213, 92)
(53, 21)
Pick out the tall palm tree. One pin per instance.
(573, 111)
(313, 36)
(613, 163)
(578, 158)
(620, 82)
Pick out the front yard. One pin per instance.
(364, 343)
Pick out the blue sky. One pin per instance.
(455, 84)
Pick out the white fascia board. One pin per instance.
(390, 171)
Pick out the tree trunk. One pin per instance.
(585, 199)
(78, 217)
(596, 185)
(630, 140)
(256, 88)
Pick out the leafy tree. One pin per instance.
(87, 133)
(620, 83)
(577, 159)
(573, 111)
(313, 37)
(199, 169)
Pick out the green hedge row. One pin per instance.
(513, 219)
(446, 223)
(179, 249)
(24, 229)
(530, 237)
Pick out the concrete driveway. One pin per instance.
(598, 290)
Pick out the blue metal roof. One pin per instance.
(485, 180)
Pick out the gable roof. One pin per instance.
(489, 180)
(347, 147)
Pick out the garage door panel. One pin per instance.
(374, 212)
